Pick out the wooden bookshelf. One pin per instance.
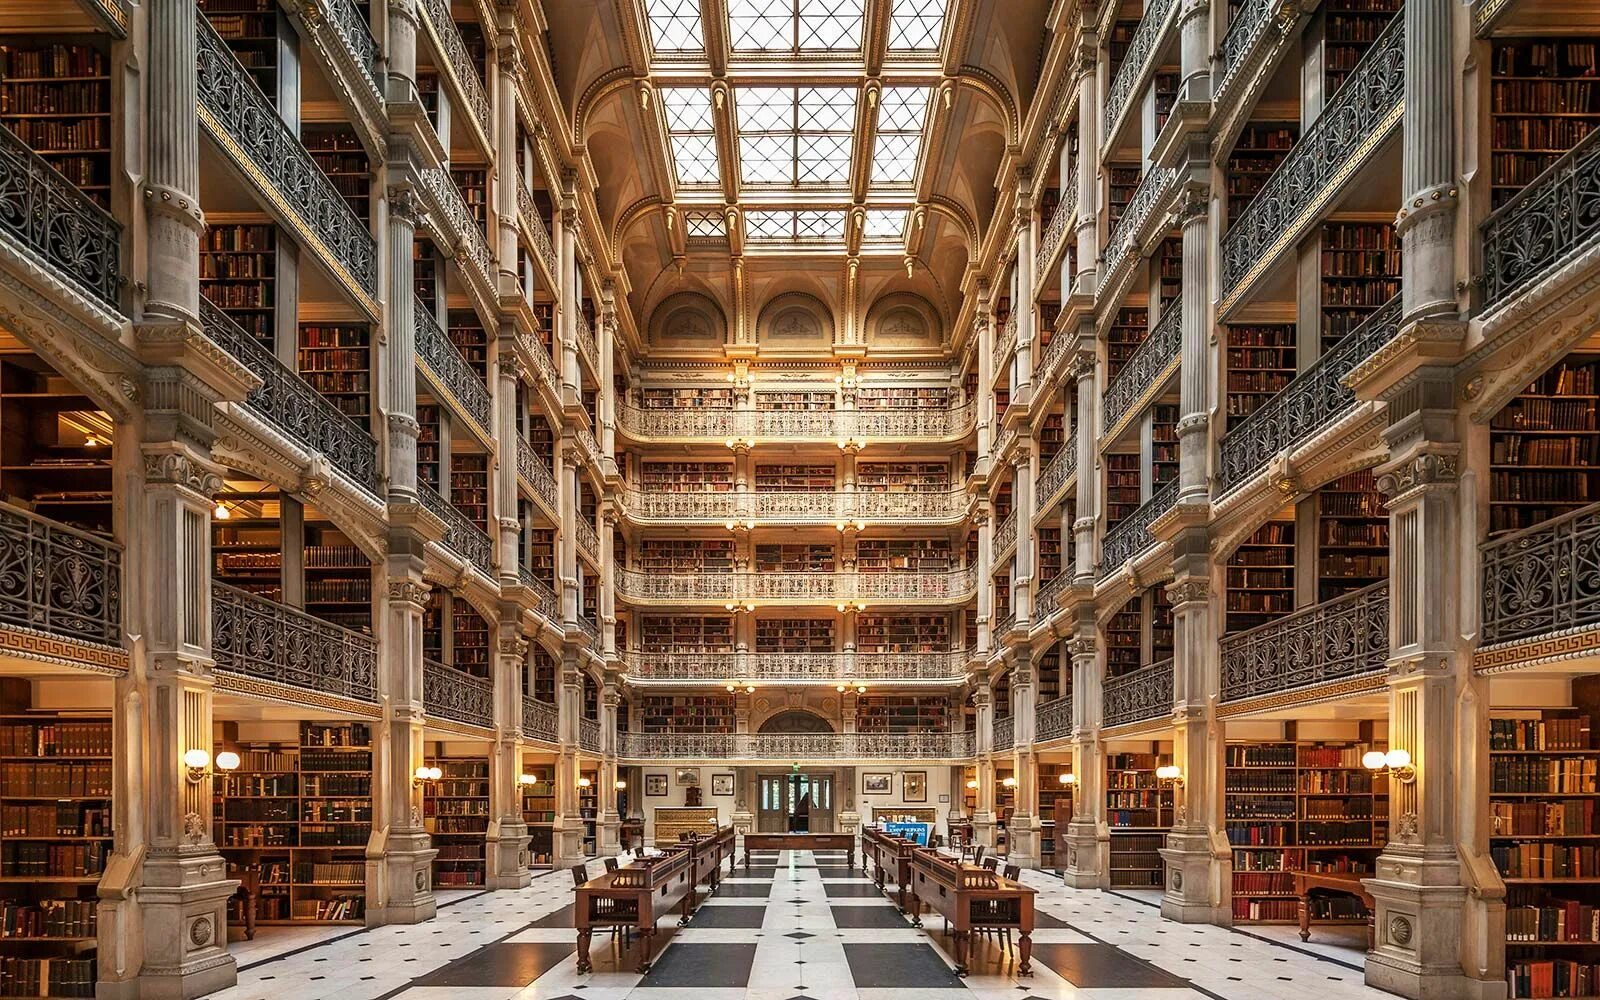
(681, 713)
(686, 555)
(1123, 489)
(455, 812)
(1349, 29)
(909, 398)
(425, 274)
(795, 557)
(1260, 576)
(686, 477)
(1352, 536)
(296, 817)
(1123, 182)
(1166, 94)
(685, 634)
(1139, 812)
(469, 486)
(1544, 448)
(1049, 549)
(339, 153)
(901, 713)
(337, 361)
(55, 841)
(903, 633)
(1052, 437)
(253, 29)
(1050, 674)
(55, 454)
(433, 626)
(469, 635)
(539, 554)
(1360, 272)
(797, 402)
(903, 555)
(902, 477)
(429, 455)
(467, 333)
(247, 548)
(338, 578)
(1117, 42)
(1125, 639)
(1545, 98)
(795, 478)
(1261, 364)
(1163, 445)
(1124, 337)
(473, 183)
(794, 635)
(238, 271)
(56, 98)
(544, 676)
(1055, 809)
(694, 398)
(589, 812)
(1169, 271)
(1261, 148)
(1161, 627)
(539, 812)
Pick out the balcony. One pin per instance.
(1139, 696)
(1352, 127)
(1544, 225)
(534, 230)
(1540, 582)
(1310, 404)
(796, 588)
(247, 128)
(1057, 473)
(1005, 345)
(535, 475)
(1144, 374)
(720, 425)
(1054, 720)
(1005, 536)
(263, 640)
(539, 360)
(539, 721)
(59, 580)
(587, 626)
(293, 407)
(352, 30)
(787, 747)
(451, 377)
(468, 541)
(46, 217)
(589, 735)
(545, 599)
(1336, 640)
(1050, 364)
(1155, 188)
(1004, 734)
(1048, 600)
(453, 224)
(793, 506)
(1054, 238)
(587, 538)
(718, 667)
(1131, 537)
(459, 66)
(457, 696)
(588, 350)
(1137, 65)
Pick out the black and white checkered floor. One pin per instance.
(796, 925)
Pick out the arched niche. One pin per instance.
(795, 321)
(688, 320)
(902, 321)
(796, 720)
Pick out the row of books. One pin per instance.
(51, 61)
(46, 977)
(1539, 734)
(1569, 818)
(1572, 775)
(50, 918)
(1545, 97)
(1264, 910)
(34, 860)
(86, 97)
(49, 778)
(1551, 978)
(1556, 413)
(1544, 860)
(1562, 487)
(56, 739)
(80, 134)
(1514, 449)
(56, 819)
(1566, 920)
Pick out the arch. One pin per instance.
(603, 86)
(904, 320)
(688, 319)
(795, 321)
(955, 212)
(795, 720)
(991, 87)
(641, 209)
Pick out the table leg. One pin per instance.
(646, 939)
(1025, 948)
(963, 944)
(583, 949)
(916, 910)
(747, 858)
(1304, 907)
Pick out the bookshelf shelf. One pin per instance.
(339, 153)
(1126, 334)
(904, 633)
(56, 98)
(539, 812)
(797, 557)
(684, 634)
(686, 714)
(1261, 364)
(686, 477)
(1352, 536)
(1350, 28)
(795, 478)
(1260, 576)
(455, 812)
(908, 555)
(1139, 811)
(1544, 448)
(337, 361)
(1360, 272)
(1261, 148)
(794, 635)
(902, 477)
(238, 271)
(901, 714)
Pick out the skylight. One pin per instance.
(794, 225)
(884, 225)
(698, 224)
(795, 135)
(674, 25)
(901, 112)
(916, 25)
(795, 25)
(693, 134)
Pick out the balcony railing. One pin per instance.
(1134, 62)
(462, 65)
(356, 34)
(1132, 535)
(1055, 355)
(254, 637)
(1145, 370)
(1005, 536)
(715, 666)
(1249, 24)
(1056, 472)
(52, 220)
(1543, 225)
(1152, 190)
(59, 580)
(248, 127)
(794, 746)
(541, 360)
(448, 693)
(549, 606)
(1335, 640)
(1351, 126)
(589, 734)
(819, 425)
(457, 222)
(535, 474)
(539, 721)
(1007, 343)
(1055, 719)
(450, 370)
(461, 536)
(534, 221)
(1055, 234)
(588, 539)
(1144, 694)
(1306, 406)
(799, 587)
(294, 406)
(1005, 734)
(587, 626)
(1049, 597)
(586, 343)
(789, 505)
(1541, 580)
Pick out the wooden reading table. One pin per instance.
(971, 899)
(1348, 883)
(636, 897)
(891, 855)
(799, 842)
(709, 852)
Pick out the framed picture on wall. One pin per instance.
(877, 784)
(722, 784)
(916, 786)
(688, 775)
(655, 784)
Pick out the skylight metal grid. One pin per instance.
(916, 25)
(707, 225)
(674, 25)
(795, 25)
(693, 134)
(764, 225)
(884, 225)
(795, 135)
(901, 113)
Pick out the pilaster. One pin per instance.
(609, 821)
(1088, 837)
(983, 812)
(568, 827)
(1023, 828)
(506, 849)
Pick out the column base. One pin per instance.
(180, 930)
(983, 828)
(1417, 928)
(506, 852)
(1087, 857)
(1022, 834)
(610, 835)
(1194, 879)
(403, 871)
(568, 845)
(849, 822)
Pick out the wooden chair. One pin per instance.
(991, 864)
(1013, 872)
(611, 864)
(638, 852)
(580, 875)
(977, 854)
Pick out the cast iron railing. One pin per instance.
(254, 637)
(1049, 597)
(589, 734)
(451, 370)
(1005, 536)
(52, 220)
(542, 247)
(586, 344)
(1005, 733)
(461, 229)
(1543, 579)
(1143, 371)
(794, 746)
(1153, 187)
(461, 535)
(539, 720)
(293, 405)
(1055, 233)
(637, 585)
(1140, 49)
(1545, 223)
(1056, 472)
(1335, 640)
(533, 471)
(1144, 694)
(1007, 342)
(820, 668)
(588, 538)
(862, 425)
(1054, 719)
(448, 693)
(1246, 28)
(549, 606)
(356, 35)
(587, 626)
(59, 580)
(1131, 536)
(460, 58)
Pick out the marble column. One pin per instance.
(983, 818)
(1087, 76)
(1085, 540)
(1022, 304)
(1088, 837)
(1025, 568)
(1023, 828)
(608, 822)
(1197, 353)
(1426, 223)
(567, 832)
(171, 189)
(506, 849)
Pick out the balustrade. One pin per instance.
(720, 424)
(1004, 734)
(1131, 536)
(588, 539)
(1135, 62)
(587, 626)
(1054, 237)
(545, 598)
(785, 505)
(450, 371)
(537, 233)
(1138, 696)
(355, 34)
(1144, 372)
(1054, 719)
(535, 474)
(587, 347)
(450, 215)
(1154, 187)
(462, 66)
(59, 580)
(49, 218)
(1248, 26)
(461, 535)
(794, 746)
(636, 585)
(1543, 579)
(1007, 343)
(716, 666)
(448, 693)
(1056, 473)
(1050, 363)
(539, 721)
(536, 353)
(1545, 224)
(589, 735)
(1049, 597)
(1005, 536)
(264, 640)
(1335, 640)
(1308, 405)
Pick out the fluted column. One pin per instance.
(506, 845)
(569, 301)
(1088, 230)
(1427, 220)
(398, 355)
(1023, 828)
(1088, 837)
(567, 831)
(1085, 554)
(1194, 51)
(983, 316)
(1022, 304)
(1196, 357)
(983, 812)
(172, 178)
(606, 341)
(1023, 577)
(608, 824)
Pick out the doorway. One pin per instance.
(795, 803)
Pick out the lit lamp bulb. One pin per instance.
(527, 779)
(1009, 782)
(227, 760)
(972, 783)
(1170, 772)
(1372, 760)
(1068, 778)
(749, 689)
(620, 785)
(221, 511)
(584, 782)
(861, 689)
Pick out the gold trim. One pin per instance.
(1524, 653)
(1141, 401)
(442, 390)
(289, 694)
(32, 644)
(1129, 729)
(459, 728)
(1332, 691)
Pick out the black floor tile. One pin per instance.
(899, 966)
(702, 965)
(560, 918)
(744, 890)
(850, 890)
(1041, 920)
(753, 872)
(728, 916)
(1103, 966)
(839, 871)
(868, 916)
(501, 965)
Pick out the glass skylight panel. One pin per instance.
(704, 225)
(794, 225)
(795, 135)
(916, 25)
(901, 112)
(674, 25)
(795, 25)
(692, 132)
(884, 225)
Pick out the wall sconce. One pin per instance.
(1068, 778)
(1396, 761)
(740, 606)
(852, 606)
(221, 512)
(620, 785)
(972, 783)
(198, 762)
(425, 774)
(845, 444)
(584, 782)
(1009, 782)
(734, 686)
(1172, 774)
(527, 779)
(842, 687)
(735, 443)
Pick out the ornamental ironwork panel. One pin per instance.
(55, 222)
(1007, 342)
(586, 344)
(587, 626)
(794, 746)
(767, 424)
(532, 470)
(448, 693)
(353, 30)
(544, 597)
(1132, 535)
(539, 720)
(531, 217)
(1005, 536)
(1049, 597)
(451, 370)
(461, 535)
(1140, 50)
(1054, 719)
(1144, 694)
(535, 351)
(292, 405)
(254, 637)
(1543, 579)
(232, 99)
(1150, 361)
(1248, 26)
(638, 585)
(1308, 405)
(1152, 189)
(1324, 157)
(59, 580)
(463, 232)
(460, 59)
(1335, 640)
(1545, 223)
(721, 423)
(1057, 471)
(589, 734)
(588, 539)
(1055, 233)
(1005, 733)
(1055, 355)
